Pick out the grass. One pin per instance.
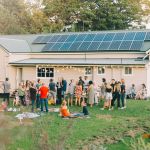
(110, 130)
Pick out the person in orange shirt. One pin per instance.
(43, 96)
(64, 112)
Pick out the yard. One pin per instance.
(104, 130)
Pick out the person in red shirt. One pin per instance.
(43, 96)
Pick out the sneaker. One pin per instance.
(102, 108)
(119, 107)
(109, 109)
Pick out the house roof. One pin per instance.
(78, 61)
(97, 41)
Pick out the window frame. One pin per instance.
(128, 74)
(88, 74)
(98, 70)
(44, 67)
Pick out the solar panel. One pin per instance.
(89, 37)
(47, 46)
(38, 39)
(136, 45)
(99, 37)
(140, 36)
(129, 36)
(84, 46)
(71, 38)
(62, 38)
(65, 46)
(74, 46)
(114, 45)
(109, 37)
(94, 46)
(104, 45)
(80, 37)
(46, 39)
(54, 38)
(118, 36)
(125, 45)
(147, 38)
(56, 46)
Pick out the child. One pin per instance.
(85, 110)
(64, 112)
(16, 101)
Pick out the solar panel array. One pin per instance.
(121, 41)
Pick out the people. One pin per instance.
(32, 91)
(142, 93)
(107, 102)
(21, 93)
(52, 88)
(117, 90)
(43, 96)
(64, 87)
(84, 106)
(59, 91)
(71, 90)
(6, 90)
(38, 85)
(122, 93)
(103, 88)
(91, 93)
(78, 93)
(64, 111)
(3, 106)
(16, 101)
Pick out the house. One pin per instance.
(102, 54)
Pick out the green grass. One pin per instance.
(105, 129)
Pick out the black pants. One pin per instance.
(22, 99)
(85, 110)
(59, 95)
(6, 97)
(116, 96)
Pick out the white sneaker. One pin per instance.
(102, 108)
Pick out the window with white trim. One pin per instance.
(101, 70)
(88, 71)
(128, 70)
(45, 72)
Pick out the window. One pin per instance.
(88, 71)
(45, 72)
(101, 70)
(128, 70)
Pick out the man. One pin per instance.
(43, 96)
(38, 85)
(86, 83)
(6, 87)
(52, 88)
(81, 82)
(64, 87)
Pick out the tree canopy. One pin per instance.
(17, 16)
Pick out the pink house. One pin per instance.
(105, 54)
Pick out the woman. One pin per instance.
(21, 94)
(59, 90)
(32, 90)
(142, 93)
(64, 112)
(27, 92)
(117, 90)
(107, 103)
(78, 92)
(122, 94)
(91, 93)
(70, 92)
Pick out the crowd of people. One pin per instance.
(81, 93)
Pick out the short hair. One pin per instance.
(6, 79)
(90, 82)
(51, 80)
(103, 79)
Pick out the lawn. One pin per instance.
(104, 130)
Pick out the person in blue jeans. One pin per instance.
(43, 96)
